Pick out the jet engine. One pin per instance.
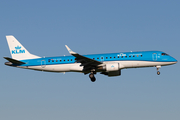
(111, 69)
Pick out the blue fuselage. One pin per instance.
(150, 56)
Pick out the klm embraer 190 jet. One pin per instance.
(108, 64)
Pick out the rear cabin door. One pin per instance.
(43, 63)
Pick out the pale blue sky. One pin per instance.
(88, 27)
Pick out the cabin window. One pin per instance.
(64, 60)
(129, 56)
(110, 57)
(60, 60)
(49, 60)
(141, 55)
(101, 57)
(163, 54)
(93, 58)
(133, 56)
(114, 57)
(97, 58)
(52, 60)
(56, 60)
(137, 55)
(68, 60)
(125, 56)
(121, 56)
(106, 57)
(118, 56)
(71, 59)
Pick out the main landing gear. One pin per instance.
(158, 67)
(92, 77)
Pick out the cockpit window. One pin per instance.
(164, 54)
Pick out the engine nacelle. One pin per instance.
(112, 67)
(114, 73)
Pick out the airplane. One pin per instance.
(109, 64)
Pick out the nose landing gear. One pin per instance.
(158, 67)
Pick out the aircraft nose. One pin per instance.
(174, 60)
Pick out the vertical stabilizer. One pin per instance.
(18, 51)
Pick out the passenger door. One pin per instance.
(154, 56)
(43, 63)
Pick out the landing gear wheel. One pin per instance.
(93, 79)
(158, 67)
(158, 72)
(91, 76)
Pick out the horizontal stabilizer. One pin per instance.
(14, 61)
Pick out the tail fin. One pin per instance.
(17, 51)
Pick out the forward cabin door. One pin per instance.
(154, 56)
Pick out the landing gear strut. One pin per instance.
(158, 69)
(92, 77)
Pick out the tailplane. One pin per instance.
(18, 51)
(13, 61)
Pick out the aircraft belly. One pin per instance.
(57, 68)
(77, 68)
(136, 64)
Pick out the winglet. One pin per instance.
(70, 51)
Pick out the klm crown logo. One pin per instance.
(122, 54)
(18, 47)
(18, 50)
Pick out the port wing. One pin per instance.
(85, 61)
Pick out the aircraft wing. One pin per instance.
(85, 61)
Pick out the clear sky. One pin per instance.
(87, 27)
